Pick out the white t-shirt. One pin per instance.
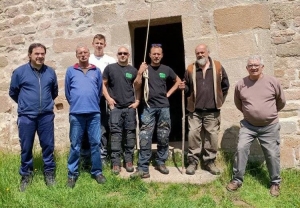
(101, 62)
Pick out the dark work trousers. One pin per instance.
(43, 124)
(122, 121)
(85, 146)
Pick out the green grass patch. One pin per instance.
(123, 193)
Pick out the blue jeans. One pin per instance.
(122, 122)
(150, 118)
(85, 148)
(44, 126)
(78, 124)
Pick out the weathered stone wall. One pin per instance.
(234, 29)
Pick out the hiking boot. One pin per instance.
(25, 181)
(140, 174)
(129, 167)
(71, 182)
(100, 179)
(49, 178)
(162, 168)
(233, 185)
(275, 190)
(191, 169)
(211, 167)
(116, 169)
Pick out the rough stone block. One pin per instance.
(237, 45)
(288, 127)
(120, 34)
(61, 45)
(234, 19)
(289, 49)
(18, 39)
(5, 104)
(3, 61)
(104, 13)
(12, 12)
(292, 94)
(288, 114)
(21, 20)
(28, 8)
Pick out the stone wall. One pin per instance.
(234, 29)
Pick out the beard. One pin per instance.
(202, 61)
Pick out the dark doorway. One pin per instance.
(171, 38)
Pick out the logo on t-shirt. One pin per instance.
(128, 75)
(162, 75)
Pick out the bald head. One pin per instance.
(123, 55)
(202, 53)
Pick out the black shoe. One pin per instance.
(116, 169)
(49, 178)
(162, 168)
(100, 179)
(71, 182)
(25, 181)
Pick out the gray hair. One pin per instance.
(82, 45)
(256, 57)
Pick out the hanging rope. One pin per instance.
(146, 73)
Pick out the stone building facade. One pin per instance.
(233, 29)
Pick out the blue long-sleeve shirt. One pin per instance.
(33, 90)
(83, 91)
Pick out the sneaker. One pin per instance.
(162, 168)
(25, 181)
(116, 169)
(100, 179)
(140, 174)
(211, 167)
(129, 167)
(191, 169)
(233, 185)
(71, 182)
(275, 190)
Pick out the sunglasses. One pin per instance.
(122, 53)
(156, 45)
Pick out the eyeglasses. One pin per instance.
(253, 65)
(122, 53)
(156, 45)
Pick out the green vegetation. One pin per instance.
(125, 193)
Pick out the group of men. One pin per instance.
(104, 95)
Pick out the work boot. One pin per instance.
(49, 178)
(140, 174)
(211, 167)
(233, 185)
(275, 190)
(116, 169)
(191, 169)
(71, 182)
(25, 181)
(129, 167)
(100, 179)
(162, 168)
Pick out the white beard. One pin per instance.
(202, 61)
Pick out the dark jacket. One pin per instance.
(33, 91)
(221, 84)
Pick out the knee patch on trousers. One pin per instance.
(163, 137)
(115, 143)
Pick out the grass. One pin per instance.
(118, 192)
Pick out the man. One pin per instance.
(206, 85)
(34, 87)
(156, 113)
(259, 97)
(100, 60)
(83, 90)
(118, 90)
